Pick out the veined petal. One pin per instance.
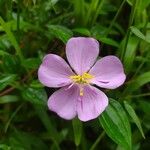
(63, 102)
(91, 104)
(108, 72)
(54, 71)
(81, 53)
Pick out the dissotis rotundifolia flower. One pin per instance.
(77, 95)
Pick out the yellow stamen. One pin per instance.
(82, 79)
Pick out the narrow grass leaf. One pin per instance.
(134, 117)
(12, 116)
(20, 140)
(108, 41)
(31, 63)
(6, 80)
(11, 37)
(5, 147)
(35, 95)
(130, 52)
(83, 31)
(8, 99)
(2, 53)
(60, 32)
(138, 82)
(138, 33)
(54, 135)
(11, 63)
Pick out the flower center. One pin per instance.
(82, 79)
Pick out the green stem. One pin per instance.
(12, 116)
(97, 12)
(116, 16)
(18, 21)
(139, 95)
(97, 140)
(92, 7)
(133, 11)
(79, 10)
(126, 43)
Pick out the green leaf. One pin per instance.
(142, 5)
(19, 140)
(130, 52)
(31, 63)
(145, 107)
(12, 24)
(60, 32)
(116, 124)
(77, 128)
(134, 117)
(11, 37)
(11, 63)
(108, 41)
(36, 84)
(139, 34)
(142, 59)
(129, 2)
(4, 147)
(138, 82)
(8, 99)
(35, 95)
(82, 31)
(2, 53)
(34, 2)
(48, 124)
(6, 80)
(99, 31)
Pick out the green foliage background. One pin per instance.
(30, 29)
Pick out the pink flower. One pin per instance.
(77, 95)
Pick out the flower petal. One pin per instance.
(91, 104)
(81, 53)
(63, 102)
(54, 71)
(108, 72)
